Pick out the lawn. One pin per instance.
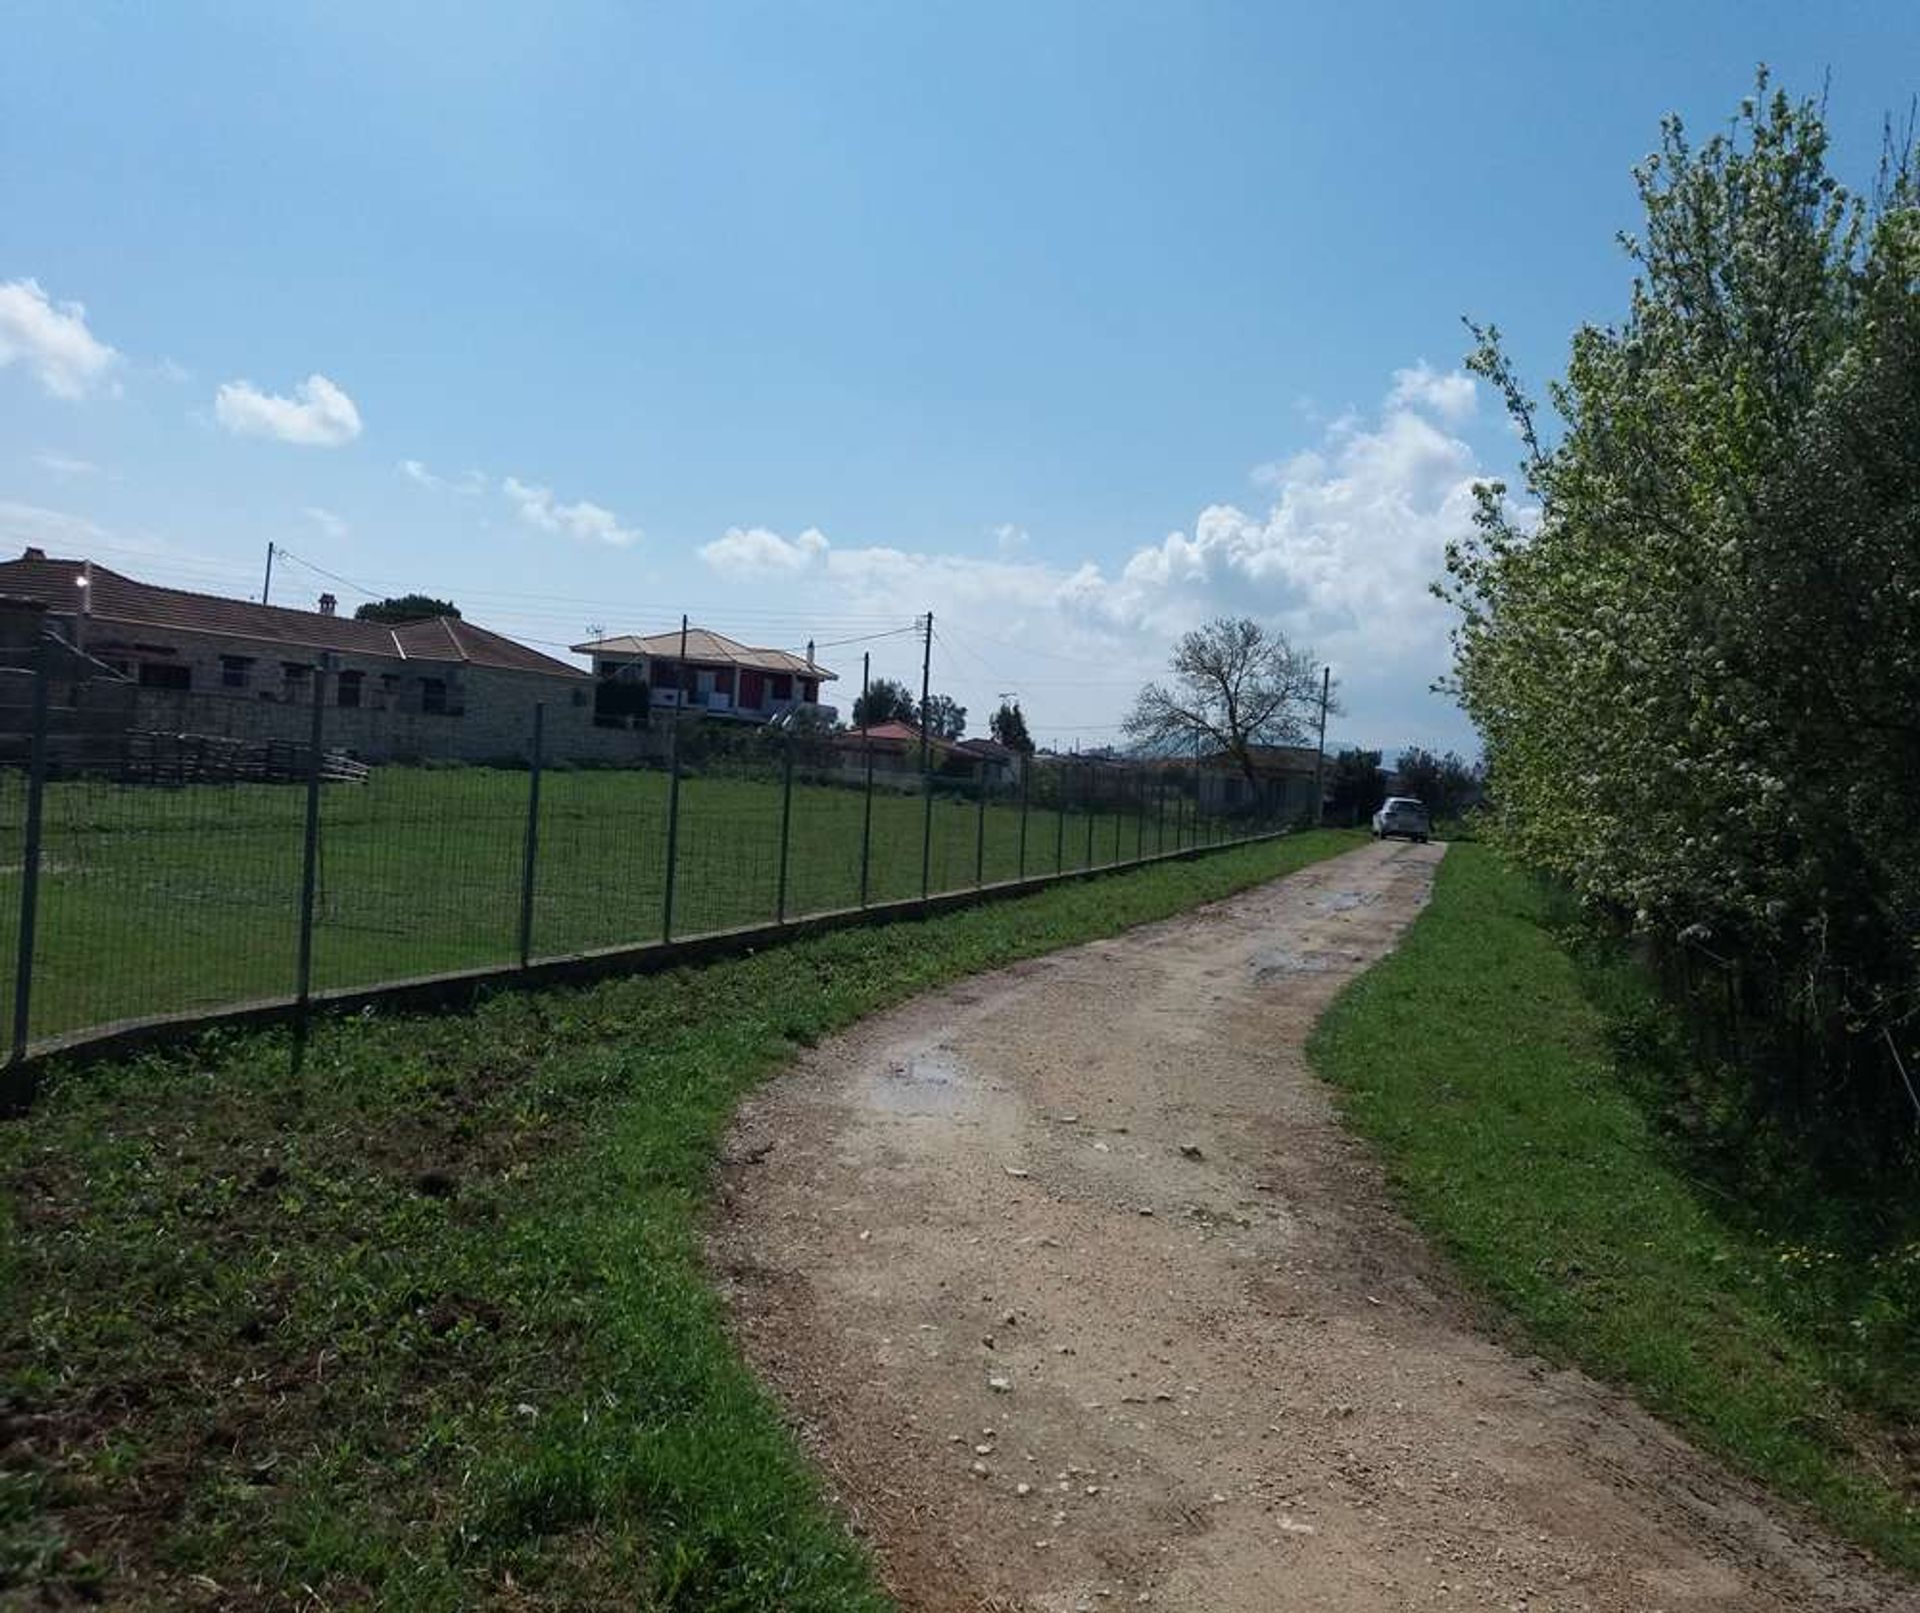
(157, 901)
(1783, 1334)
(424, 1324)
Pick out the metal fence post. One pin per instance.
(1061, 776)
(786, 825)
(866, 817)
(980, 838)
(866, 826)
(673, 826)
(310, 851)
(1026, 789)
(1119, 817)
(1090, 805)
(1159, 814)
(531, 856)
(926, 766)
(1140, 817)
(30, 856)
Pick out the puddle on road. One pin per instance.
(1346, 901)
(1272, 961)
(929, 1081)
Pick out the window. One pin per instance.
(782, 686)
(236, 671)
(349, 692)
(433, 696)
(165, 675)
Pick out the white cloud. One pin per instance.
(318, 415)
(64, 465)
(51, 339)
(538, 508)
(468, 486)
(1451, 397)
(1351, 533)
(330, 525)
(1009, 539)
(754, 551)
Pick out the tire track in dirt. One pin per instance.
(1082, 1298)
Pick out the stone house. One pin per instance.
(441, 687)
(1283, 784)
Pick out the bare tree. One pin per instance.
(1235, 685)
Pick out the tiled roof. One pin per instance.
(902, 731)
(888, 735)
(706, 647)
(68, 587)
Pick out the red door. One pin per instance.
(751, 695)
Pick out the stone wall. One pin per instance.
(492, 723)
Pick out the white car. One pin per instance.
(1402, 815)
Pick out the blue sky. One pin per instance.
(1073, 323)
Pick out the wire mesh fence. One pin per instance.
(147, 874)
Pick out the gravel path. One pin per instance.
(1083, 1299)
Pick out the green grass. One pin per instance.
(1480, 1060)
(424, 1325)
(158, 901)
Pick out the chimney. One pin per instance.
(327, 604)
(34, 553)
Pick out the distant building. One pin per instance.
(704, 671)
(203, 663)
(999, 764)
(1283, 784)
(895, 750)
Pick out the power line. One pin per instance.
(284, 553)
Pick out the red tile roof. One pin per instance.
(69, 587)
(705, 647)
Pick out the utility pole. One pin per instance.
(926, 692)
(1320, 763)
(266, 588)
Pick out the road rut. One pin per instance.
(1081, 1296)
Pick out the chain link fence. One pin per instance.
(146, 875)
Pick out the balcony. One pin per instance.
(718, 703)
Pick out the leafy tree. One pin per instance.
(1693, 650)
(405, 608)
(946, 718)
(1009, 727)
(1447, 785)
(1355, 786)
(885, 701)
(1236, 684)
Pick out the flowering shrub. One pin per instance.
(1693, 650)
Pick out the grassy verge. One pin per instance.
(424, 1325)
(1480, 1059)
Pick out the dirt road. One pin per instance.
(1083, 1298)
